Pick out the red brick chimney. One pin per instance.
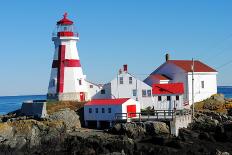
(125, 68)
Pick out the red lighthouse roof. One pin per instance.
(65, 20)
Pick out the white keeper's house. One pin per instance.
(168, 96)
(101, 113)
(125, 85)
(180, 71)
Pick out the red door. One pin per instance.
(131, 109)
(82, 96)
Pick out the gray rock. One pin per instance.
(69, 117)
(6, 132)
(156, 128)
(221, 153)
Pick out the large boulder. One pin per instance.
(6, 132)
(156, 128)
(204, 123)
(132, 130)
(140, 130)
(215, 102)
(69, 117)
(19, 133)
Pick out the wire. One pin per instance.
(225, 64)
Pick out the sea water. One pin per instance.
(11, 103)
(226, 90)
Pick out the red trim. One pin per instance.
(72, 63)
(171, 88)
(60, 64)
(67, 63)
(60, 74)
(65, 34)
(118, 101)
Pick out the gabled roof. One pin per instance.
(107, 101)
(171, 88)
(159, 77)
(186, 65)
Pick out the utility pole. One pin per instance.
(192, 88)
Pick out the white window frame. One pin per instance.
(144, 93)
(130, 80)
(120, 80)
(202, 84)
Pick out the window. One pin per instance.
(149, 93)
(53, 83)
(144, 93)
(103, 91)
(130, 80)
(134, 92)
(159, 98)
(121, 80)
(90, 86)
(177, 98)
(80, 82)
(202, 84)
(96, 110)
(168, 98)
(103, 110)
(109, 110)
(90, 110)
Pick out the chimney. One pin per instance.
(167, 57)
(125, 68)
(120, 71)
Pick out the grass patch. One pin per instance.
(54, 106)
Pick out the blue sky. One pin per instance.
(112, 33)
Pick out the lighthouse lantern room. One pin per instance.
(67, 82)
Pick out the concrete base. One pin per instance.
(180, 122)
(66, 96)
(34, 108)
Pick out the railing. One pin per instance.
(75, 34)
(154, 115)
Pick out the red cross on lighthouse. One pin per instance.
(60, 64)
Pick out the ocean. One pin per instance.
(11, 103)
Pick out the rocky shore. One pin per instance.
(62, 133)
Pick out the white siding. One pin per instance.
(168, 105)
(179, 75)
(210, 86)
(122, 108)
(125, 90)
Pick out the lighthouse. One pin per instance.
(67, 81)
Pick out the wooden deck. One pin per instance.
(156, 115)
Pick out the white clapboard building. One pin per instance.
(101, 113)
(205, 77)
(125, 85)
(168, 96)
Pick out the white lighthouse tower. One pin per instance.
(67, 82)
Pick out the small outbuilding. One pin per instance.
(168, 96)
(101, 113)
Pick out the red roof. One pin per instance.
(107, 101)
(186, 65)
(65, 20)
(171, 88)
(159, 77)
